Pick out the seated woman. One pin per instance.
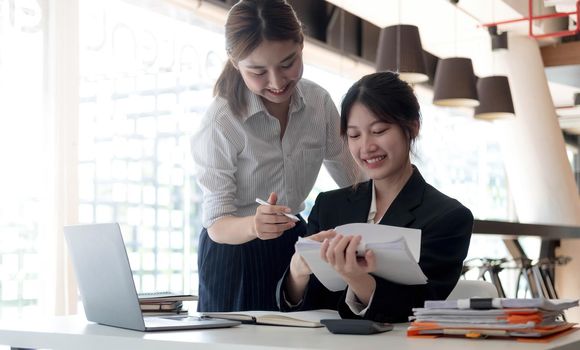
(380, 118)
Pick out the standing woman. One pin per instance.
(380, 118)
(265, 135)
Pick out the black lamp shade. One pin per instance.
(455, 83)
(400, 50)
(495, 98)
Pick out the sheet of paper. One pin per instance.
(540, 303)
(395, 261)
(373, 233)
(310, 251)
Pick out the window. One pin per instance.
(25, 157)
(146, 80)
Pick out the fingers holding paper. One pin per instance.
(341, 253)
(298, 265)
(300, 271)
(322, 235)
(338, 251)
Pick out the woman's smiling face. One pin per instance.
(273, 69)
(381, 149)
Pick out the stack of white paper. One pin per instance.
(514, 303)
(526, 318)
(397, 250)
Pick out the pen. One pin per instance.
(263, 202)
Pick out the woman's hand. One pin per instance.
(269, 223)
(322, 235)
(298, 266)
(340, 253)
(300, 271)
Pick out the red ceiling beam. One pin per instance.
(531, 18)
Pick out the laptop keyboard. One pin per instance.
(184, 318)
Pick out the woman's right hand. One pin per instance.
(300, 271)
(298, 266)
(269, 223)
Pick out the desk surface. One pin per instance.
(74, 332)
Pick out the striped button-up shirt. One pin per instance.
(239, 158)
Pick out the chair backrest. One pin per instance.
(473, 289)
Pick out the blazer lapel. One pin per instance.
(359, 203)
(411, 196)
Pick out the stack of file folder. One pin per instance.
(164, 303)
(476, 318)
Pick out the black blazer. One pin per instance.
(446, 227)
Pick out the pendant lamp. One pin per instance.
(400, 50)
(495, 98)
(455, 83)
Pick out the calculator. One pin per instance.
(355, 326)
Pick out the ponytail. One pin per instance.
(231, 86)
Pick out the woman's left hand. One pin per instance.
(340, 253)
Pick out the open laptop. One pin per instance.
(106, 283)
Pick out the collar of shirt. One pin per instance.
(373, 209)
(256, 106)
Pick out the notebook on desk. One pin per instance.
(106, 283)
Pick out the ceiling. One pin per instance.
(449, 28)
(456, 28)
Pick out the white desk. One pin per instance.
(75, 332)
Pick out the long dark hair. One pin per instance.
(390, 99)
(250, 22)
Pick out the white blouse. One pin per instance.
(351, 300)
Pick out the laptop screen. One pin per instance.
(104, 275)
